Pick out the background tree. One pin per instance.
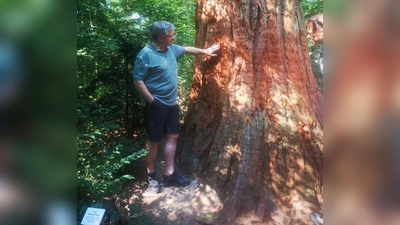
(253, 130)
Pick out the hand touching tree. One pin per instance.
(198, 51)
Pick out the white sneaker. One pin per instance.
(316, 218)
(153, 185)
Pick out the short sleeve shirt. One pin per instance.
(159, 72)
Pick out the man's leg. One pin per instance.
(151, 156)
(153, 184)
(154, 118)
(169, 153)
(170, 177)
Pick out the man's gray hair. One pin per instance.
(160, 27)
(317, 22)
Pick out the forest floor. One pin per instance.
(195, 204)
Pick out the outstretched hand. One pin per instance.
(210, 51)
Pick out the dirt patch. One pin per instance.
(195, 204)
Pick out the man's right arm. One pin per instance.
(139, 73)
(198, 51)
(141, 87)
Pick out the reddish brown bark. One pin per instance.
(253, 130)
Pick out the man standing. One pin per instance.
(315, 31)
(155, 77)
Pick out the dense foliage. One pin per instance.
(109, 121)
(110, 134)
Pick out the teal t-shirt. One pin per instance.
(159, 72)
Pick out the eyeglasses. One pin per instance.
(309, 35)
(169, 36)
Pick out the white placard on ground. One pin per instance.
(93, 216)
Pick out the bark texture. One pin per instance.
(253, 130)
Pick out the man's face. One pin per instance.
(167, 39)
(315, 35)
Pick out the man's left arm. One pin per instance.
(198, 51)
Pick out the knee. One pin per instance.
(173, 137)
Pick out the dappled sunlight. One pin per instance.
(303, 166)
(221, 11)
(255, 127)
(297, 186)
(287, 109)
(288, 23)
(206, 199)
(231, 152)
(242, 98)
(298, 194)
(300, 207)
(280, 216)
(176, 203)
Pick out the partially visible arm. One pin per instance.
(141, 87)
(198, 51)
(139, 74)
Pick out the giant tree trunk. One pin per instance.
(253, 130)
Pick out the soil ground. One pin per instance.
(174, 206)
(195, 204)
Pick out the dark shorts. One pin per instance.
(160, 119)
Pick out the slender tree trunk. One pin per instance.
(253, 130)
(128, 100)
